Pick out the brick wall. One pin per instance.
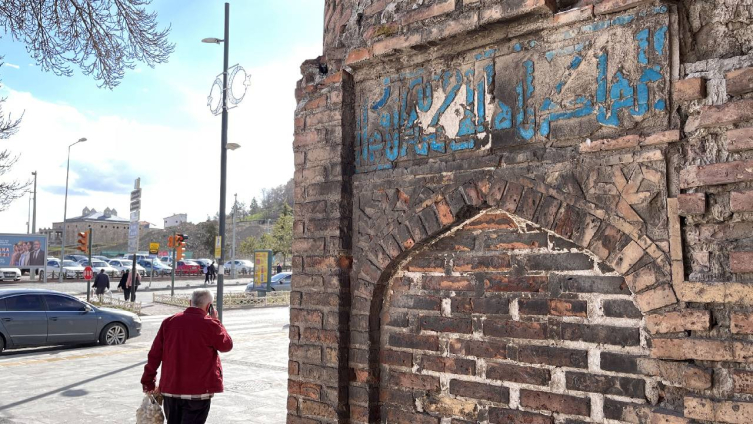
(524, 212)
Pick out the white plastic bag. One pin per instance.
(150, 411)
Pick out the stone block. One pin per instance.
(605, 384)
(689, 89)
(675, 322)
(426, 12)
(413, 381)
(726, 114)
(414, 341)
(594, 333)
(739, 81)
(555, 402)
(717, 173)
(614, 6)
(625, 142)
(655, 298)
(574, 15)
(691, 203)
(434, 282)
(518, 374)
(620, 309)
(446, 324)
(556, 356)
(740, 139)
(718, 411)
(741, 323)
(505, 416)
(741, 262)
(479, 348)
(515, 329)
(469, 389)
(509, 10)
(742, 381)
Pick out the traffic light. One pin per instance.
(180, 238)
(180, 250)
(170, 242)
(83, 242)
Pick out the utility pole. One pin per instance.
(89, 250)
(34, 219)
(235, 208)
(65, 207)
(28, 219)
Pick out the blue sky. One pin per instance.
(155, 124)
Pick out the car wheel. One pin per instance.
(2, 343)
(113, 334)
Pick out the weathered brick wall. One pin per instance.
(613, 142)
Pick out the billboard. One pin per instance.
(262, 266)
(23, 250)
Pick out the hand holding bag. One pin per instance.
(150, 411)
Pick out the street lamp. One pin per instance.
(235, 208)
(65, 206)
(223, 158)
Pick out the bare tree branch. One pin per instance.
(102, 37)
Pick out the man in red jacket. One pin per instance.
(187, 345)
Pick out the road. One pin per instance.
(101, 383)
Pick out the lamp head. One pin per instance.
(212, 40)
(233, 146)
(82, 139)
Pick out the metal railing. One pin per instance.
(112, 302)
(231, 300)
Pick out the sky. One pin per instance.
(156, 124)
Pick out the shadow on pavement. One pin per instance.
(70, 386)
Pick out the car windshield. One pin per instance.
(126, 263)
(99, 264)
(69, 263)
(279, 276)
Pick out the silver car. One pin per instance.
(278, 282)
(35, 317)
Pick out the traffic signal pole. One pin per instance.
(89, 250)
(172, 283)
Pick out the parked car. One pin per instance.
(187, 267)
(76, 258)
(242, 266)
(278, 282)
(30, 317)
(166, 260)
(203, 262)
(71, 269)
(100, 265)
(159, 267)
(101, 258)
(123, 264)
(10, 274)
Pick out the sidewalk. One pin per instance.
(79, 287)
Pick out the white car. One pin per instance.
(71, 269)
(242, 266)
(10, 274)
(100, 265)
(123, 264)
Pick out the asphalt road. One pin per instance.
(86, 384)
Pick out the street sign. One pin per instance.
(133, 228)
(88, 274)
(153, 248)
(218, 247)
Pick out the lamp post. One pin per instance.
(235, 208)
(65, 207)
(34, 217)
(223, 158)
(28, 219)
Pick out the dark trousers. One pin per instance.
(185, 411)
(206, 278)
(133, 293)
(127, 294)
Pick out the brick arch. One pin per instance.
(618, 245)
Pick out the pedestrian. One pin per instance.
(122, 285)
(187, 346)
(212, 272)
(101, 283)
(205, 270)
(279, 268)
(132, 284)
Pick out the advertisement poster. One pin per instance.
(23, 250)
(262, 265)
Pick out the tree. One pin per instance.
(102, 37)
(207, 232)
(254, 207)
(9, 190)
(282, 234)
(248, 246)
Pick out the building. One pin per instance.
(175, 220)
(146, 225)
(541, 213)
(108, 227)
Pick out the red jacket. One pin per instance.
(187, 345)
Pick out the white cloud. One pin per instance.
(10, 65)
(179, 167)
